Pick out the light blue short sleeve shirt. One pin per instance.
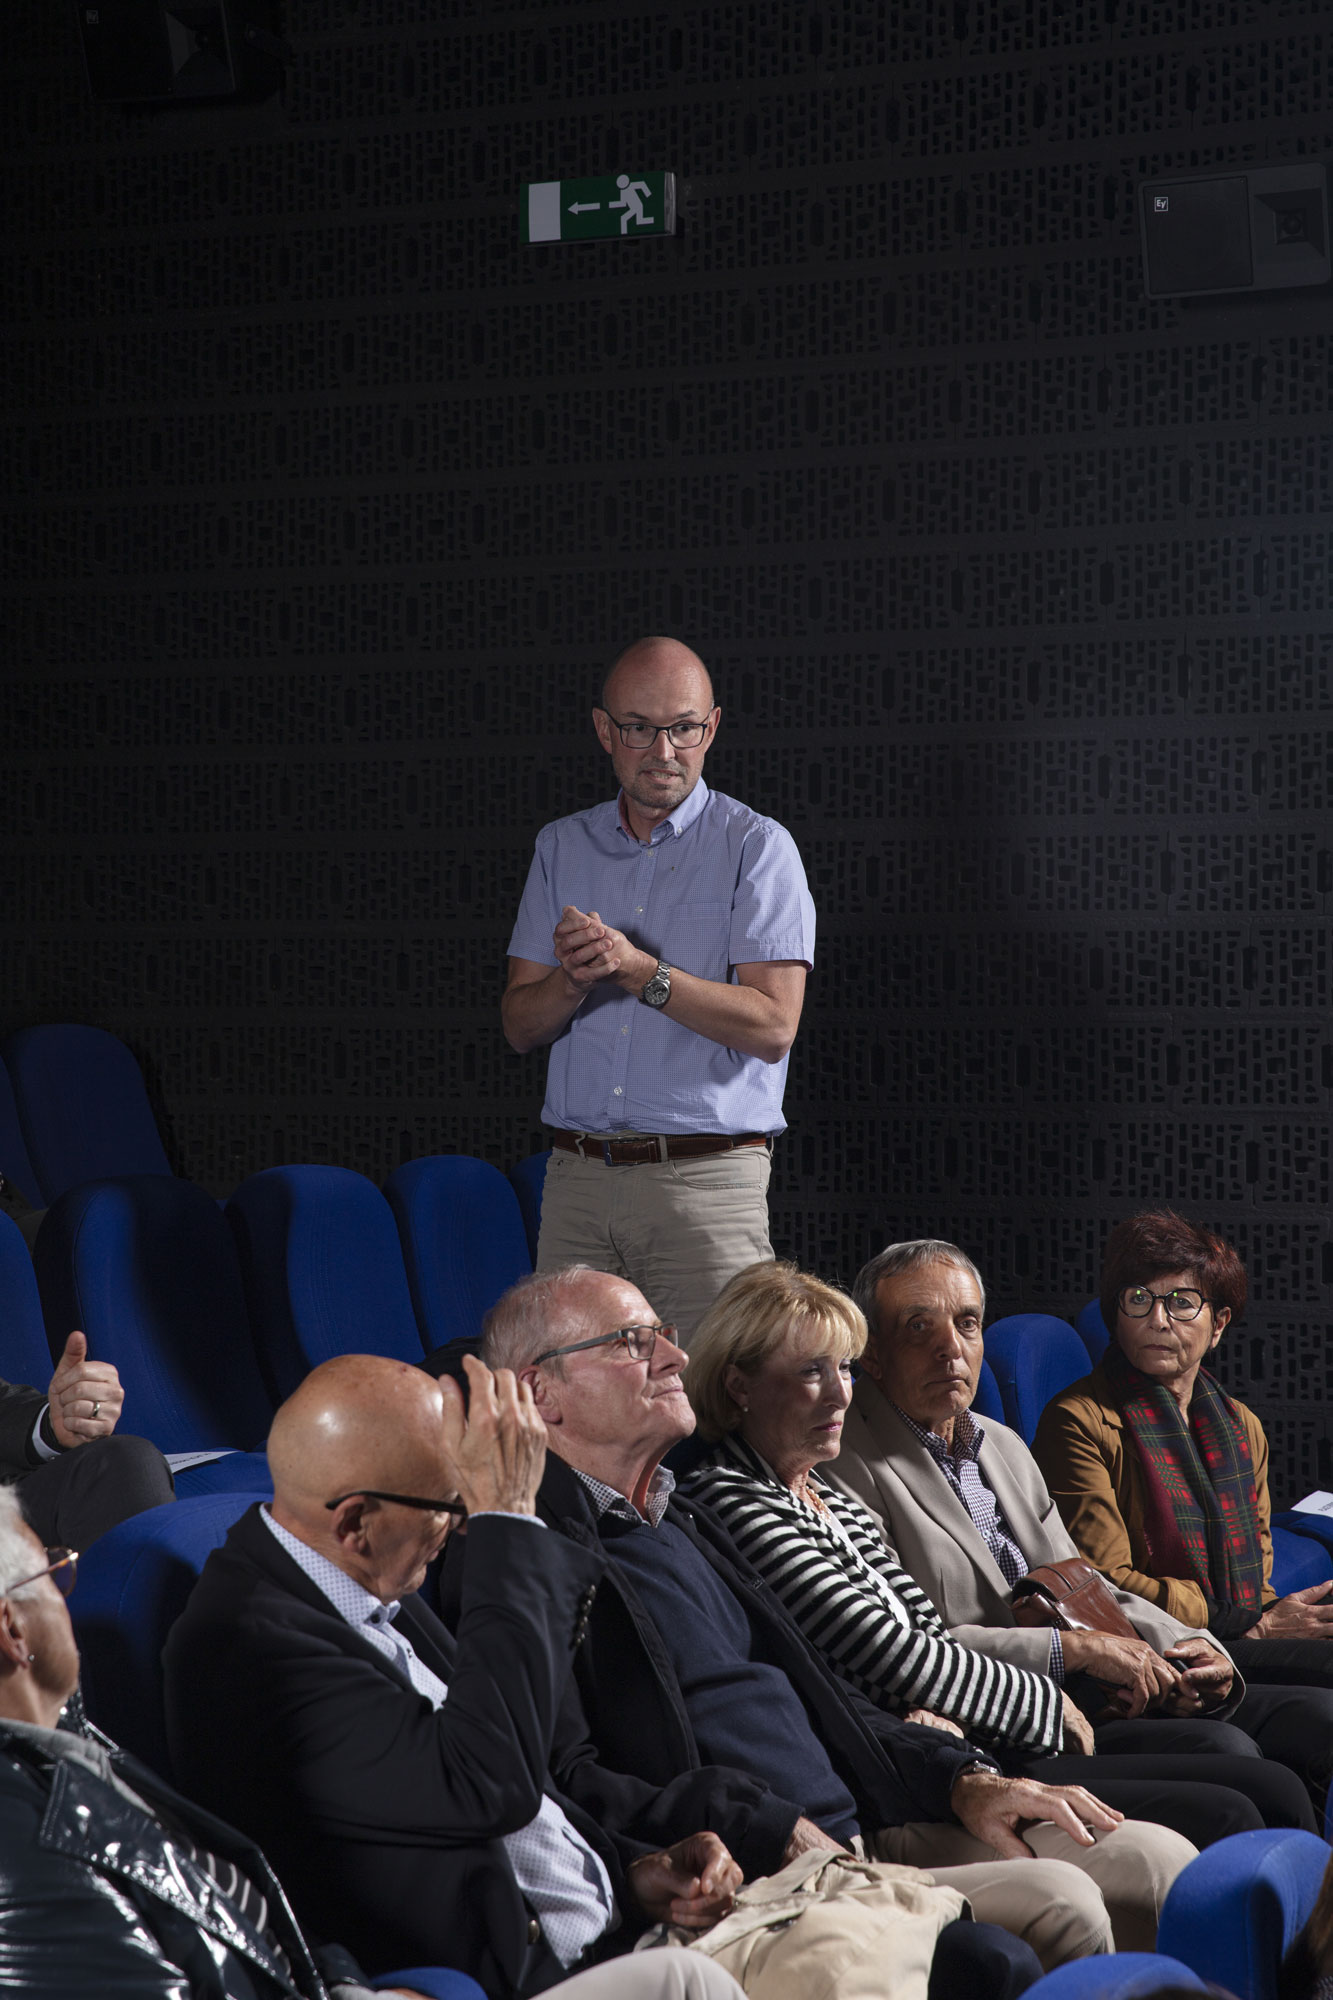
(716, 887)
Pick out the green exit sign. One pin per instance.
(618, 205)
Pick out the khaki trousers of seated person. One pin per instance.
(1070, 1901)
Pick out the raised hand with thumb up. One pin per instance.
(85, 1396)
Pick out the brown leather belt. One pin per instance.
(652, 1149)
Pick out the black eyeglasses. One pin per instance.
(399, 1500)
(62, 1568)
(643, 735)
(1183, 1303)
(637, 1341)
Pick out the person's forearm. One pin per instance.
(739, 1017)
(744, 1018)
(533, 1014)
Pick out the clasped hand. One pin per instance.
(590, 951)
(691, 1885)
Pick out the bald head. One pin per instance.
(661, 671)
(356, 1422)
(663, 685)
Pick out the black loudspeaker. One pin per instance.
(1259, 229)
(145, 51)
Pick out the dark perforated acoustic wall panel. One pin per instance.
(325, 500)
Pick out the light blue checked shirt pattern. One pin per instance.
(717, 886)
(561, 1879)
(962, 1468)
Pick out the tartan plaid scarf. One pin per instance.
(1203, 1512)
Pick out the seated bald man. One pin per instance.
(306, 1686)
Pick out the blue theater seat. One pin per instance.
(24, 1353)
(463, 1241)
(1298, 1560)
(132, 1586)
(82, 1107)
(1234, 1912)
(1091, 1329)
(322, 1269)
(1122, 1975)
(437, 1981)
(988, 1401)
(1033, 1356)
(146, 1267)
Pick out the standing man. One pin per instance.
(660, 953)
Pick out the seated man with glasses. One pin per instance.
(690, 1657)
(404, 1782)
(660, 953)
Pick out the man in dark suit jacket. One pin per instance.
(304, 1703)
(74, 1478)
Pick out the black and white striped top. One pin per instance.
(863, 1612)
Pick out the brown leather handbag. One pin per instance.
(1071, 1595)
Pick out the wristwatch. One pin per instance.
(658, 990)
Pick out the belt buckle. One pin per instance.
(606, 1153)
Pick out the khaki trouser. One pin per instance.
(678, 1230)
(651, 1975)
(1108, 1899)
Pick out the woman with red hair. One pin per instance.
(1162, 1477)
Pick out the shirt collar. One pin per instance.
(607, 1500)
(968, 1437)
(345, 1594)
(675, 823)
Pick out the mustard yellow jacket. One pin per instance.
(1096, 1478)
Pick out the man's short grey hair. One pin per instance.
(907, 1257)
(538, 1312)
(16, 1551)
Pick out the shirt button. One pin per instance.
(624, 1031)
(534, 1930)
(638, 909)
(616, 1091)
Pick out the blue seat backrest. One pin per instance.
(1091, 1328)
(1233, 1913)
(147, 1268)
(322, 1269)
(1126, 1975)
(82, 1106)
(24, 1354)
(15, 1165)
(133, 1583)
(1298, 1559)
(1034, 1356)
(988, 1401)
(463, 1241)
(527, 1178)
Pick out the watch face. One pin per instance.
(658, 990)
